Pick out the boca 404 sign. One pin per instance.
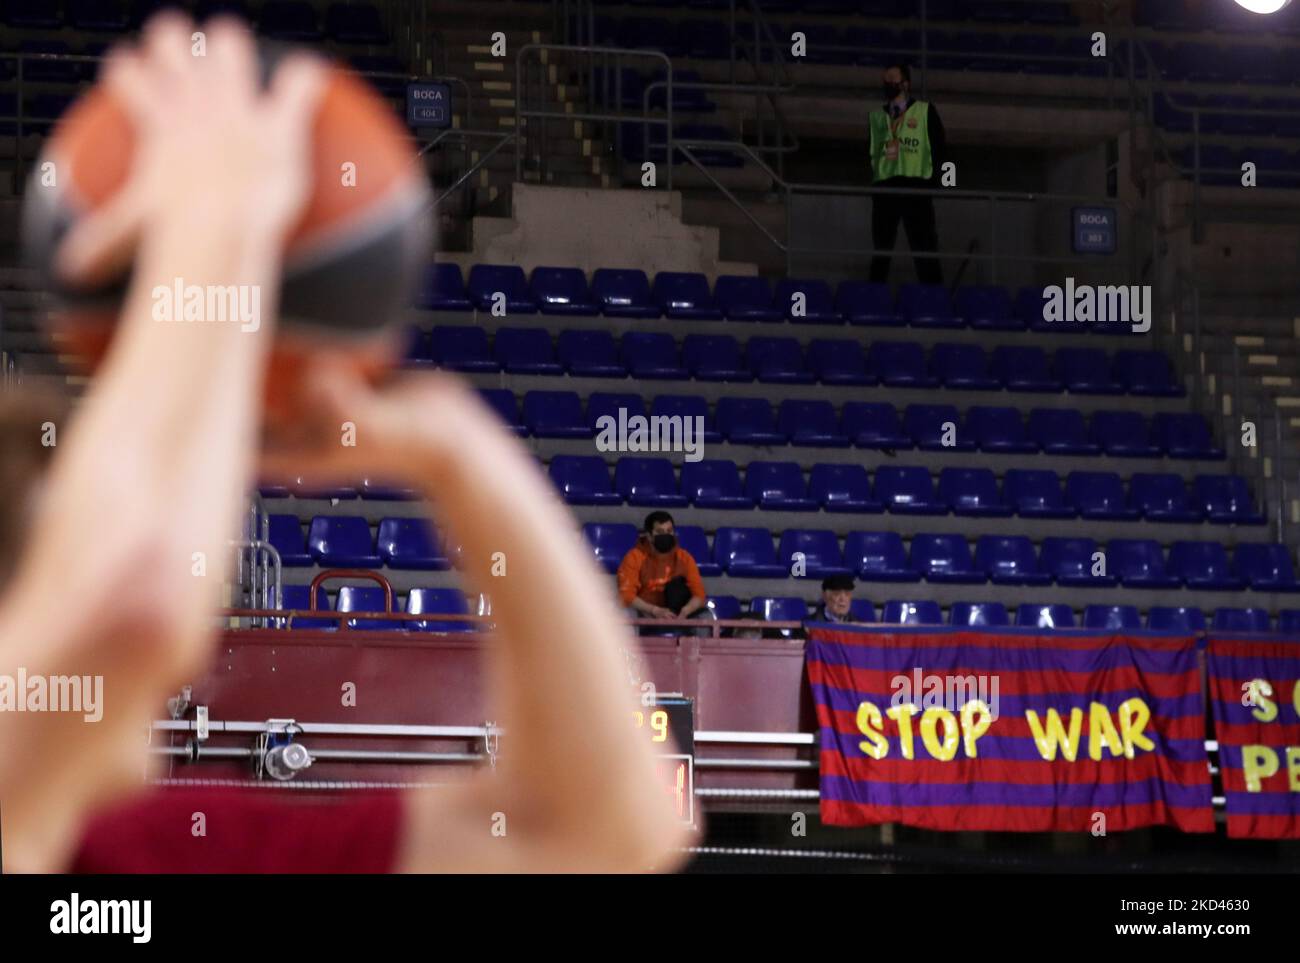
(1087, 727)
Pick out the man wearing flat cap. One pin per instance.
(837, 597)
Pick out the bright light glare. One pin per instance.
(1263, 6)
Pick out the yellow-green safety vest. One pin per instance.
(912, 132)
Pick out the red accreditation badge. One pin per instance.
(911, 122)
(891, 150)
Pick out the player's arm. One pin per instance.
(575, 784)
(129, 550)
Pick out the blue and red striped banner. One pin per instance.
(1009, 730)
(1255, 691)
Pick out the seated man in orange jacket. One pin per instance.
(657, 578)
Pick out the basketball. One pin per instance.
(350, 261)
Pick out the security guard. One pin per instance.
(907, 146)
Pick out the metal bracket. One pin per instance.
(491, 742)
(201, 723)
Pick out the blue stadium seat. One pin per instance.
(927, 306)
(37, 70)
(1146, 373)
(417, 348)
(1035, 493)
(1009, 560)
(867, 303)
(687, 406)
(1288, 621)
(908, 490)
(555, 414)
(1086, 371)
(1170, 618)
(782, 609)
(714, 483)
(685, 296)
(874, 424)
(601, 404)
(559, 290)
(962, 366)
(305, 487)
(944, 558)
(998, 429)
(1023, 368)
(1124, 434)
(1266, 567)
(355, 23)
(623, 293)
(1030, 308)
(99, 16)
(648, 482)
(692, 539)
(745, 298)
(879, 557)
(367, 598)
(526, 351)
(811, 423)
(900, 364)
(1061, 431)
(651, 355)
(843, 488)
(298, 598)
(1226, 498)
(973, 492)
(725, 607)
(821, 552)
(818, 306)
(290, 20)
(748, 421)
(437, 601)
(777, 360)
(861, 610)
(778, 486)
(443, 289)
(1112, 618)
(978, 615)
(1184, 435)
(1099, 495)
(1162, 498)
(1139, 563)
(486, 281)
(589, 354)
(342, 541)
(503, 402)
(911, 613)
(987, 308)
(927, 424)
(1241, 620)
(748, 553)
(839, 362)
(1033, 616)
(610, 542)
(583, 480)
(285, 534)
(1203, 566)
(462, 348)
(1070, 562)
(410, 543)
(714, 357)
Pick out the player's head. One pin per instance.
(660, 531)
(30, 422)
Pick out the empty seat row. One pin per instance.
(345, 541)
(781, 360)
(629, 293)
(815, 423)
(903, 489)
(1001, 559)
(1160, 618)
(370, 598)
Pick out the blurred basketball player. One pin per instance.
(151, 474)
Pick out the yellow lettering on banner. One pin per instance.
(1102, 730)
(872, 726)
(1133, 718)
(903, 716)
(943, 751)
(1265, 708)
(1295, 697)
(1293, 768)
(1257, 764)
(1055, 734)
(976, 717)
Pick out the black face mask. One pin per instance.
(892, 90)
(664, 542)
